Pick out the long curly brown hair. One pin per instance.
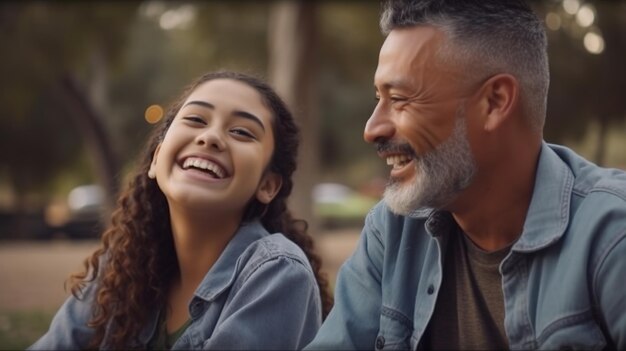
(137, 262)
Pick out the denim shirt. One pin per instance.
(260, 294)
(564, 280)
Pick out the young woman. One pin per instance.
(189, 261)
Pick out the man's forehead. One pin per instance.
(405, 52)
(412, 41)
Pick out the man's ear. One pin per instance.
(499, 97)
(152, 169)
(269, 187)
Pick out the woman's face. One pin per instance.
(214, 155)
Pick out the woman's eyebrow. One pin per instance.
(250, 116)
(236, 113)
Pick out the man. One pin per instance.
(488, 237)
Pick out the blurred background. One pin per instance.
(78, 77)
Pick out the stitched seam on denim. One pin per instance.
(522, 269)
(397, 316)
(264, 262)
(415, 339)
(609, 190)
(376, 234)
(267, 253)
(603, 256)
(375, 230)
(565, 201)
(563, 322)
(579, 192)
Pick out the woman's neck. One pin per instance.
(199, 239)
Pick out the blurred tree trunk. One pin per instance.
(292, 68)
(609, 85)
(599, 157)
(94, 134)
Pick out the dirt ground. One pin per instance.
(32, 274)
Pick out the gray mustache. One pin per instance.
(387, 146)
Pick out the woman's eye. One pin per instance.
(194, 119)
(243, 132)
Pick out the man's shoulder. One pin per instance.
(591, 179)
(598, 200)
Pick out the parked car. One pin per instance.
(338, 205)
(26, 224)
(86, 205)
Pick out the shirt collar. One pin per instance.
(548, 213)
(224, 271)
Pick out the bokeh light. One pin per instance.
(553, 21)
(594, 43)
(153, 114)
(571, 6)
(585, 16)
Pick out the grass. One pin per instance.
(355, 207)
(20, 329)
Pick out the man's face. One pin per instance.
(419, 125)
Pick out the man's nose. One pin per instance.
(379, 126)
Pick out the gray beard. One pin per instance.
(440, 175)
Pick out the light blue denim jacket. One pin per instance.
(564, 281)
(260, 294)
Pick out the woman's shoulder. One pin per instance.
(275, 247)
(275, 262)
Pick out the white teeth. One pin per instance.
(204, 164)
(398, 160)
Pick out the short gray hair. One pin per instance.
(492, 36)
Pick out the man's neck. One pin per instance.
(493, 210)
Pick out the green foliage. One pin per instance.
(354, 208)
(41, 42)
(20, 329)
(585, 87)
(349, 42)
(146, 61)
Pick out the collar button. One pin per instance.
(380, 342)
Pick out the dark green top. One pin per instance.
(469, 312)
(162, 340)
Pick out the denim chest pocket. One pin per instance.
(395, 331)
(580, 332)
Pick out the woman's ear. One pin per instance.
(152, 169)
(269, 187)
(499, 95)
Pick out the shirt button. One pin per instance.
(196, 308)
(380, 342)
(431, 289)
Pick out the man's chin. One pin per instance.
(401, 199)
(405, 199)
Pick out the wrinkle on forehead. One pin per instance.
(417, 50)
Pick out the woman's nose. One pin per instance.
(211, 138)
(379, 126)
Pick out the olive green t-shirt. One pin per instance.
(469, 312)
(162, 340)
